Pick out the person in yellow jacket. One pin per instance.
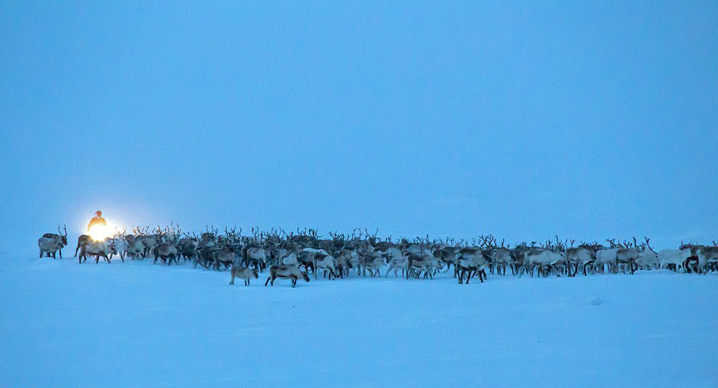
(96, 220)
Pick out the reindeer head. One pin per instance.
(63, 236)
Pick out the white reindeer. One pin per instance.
(397, 261)
(49, 246)
(543, 258)
(675, 257)
(647, 259)
(606, 257)
(325, 262)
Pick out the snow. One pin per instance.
(143, 325)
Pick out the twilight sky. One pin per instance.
(524, 119)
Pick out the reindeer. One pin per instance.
(517, 256)
(447, 255)
(325, 262)
(285, 272)
(545, 259)
(579, 256)
(673, 257)
(607, 256)
(150, 242)
(205, 256)
(255, 255)
(187, 247)
(84, 238)
(421, 263)
(225, 257)
(305, 260)
(647, 257)
(343, 263)
(470, 262)
(500, 258)
(166, 251)
(49, 247)
(98, 249)
(627, 255)
(362, 250)
(372, 261)
(243, 273)
(61, 238)
(707, 257)
(397, 261)
(346, 260)
(121, 245)
(135, 246)
(288, 257)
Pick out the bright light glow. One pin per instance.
(100, 232)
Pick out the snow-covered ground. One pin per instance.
(136, 324)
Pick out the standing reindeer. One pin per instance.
(60, 239)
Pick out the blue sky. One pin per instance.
(524, 119)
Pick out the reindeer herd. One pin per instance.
(297, 255)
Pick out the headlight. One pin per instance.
(99, 232)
